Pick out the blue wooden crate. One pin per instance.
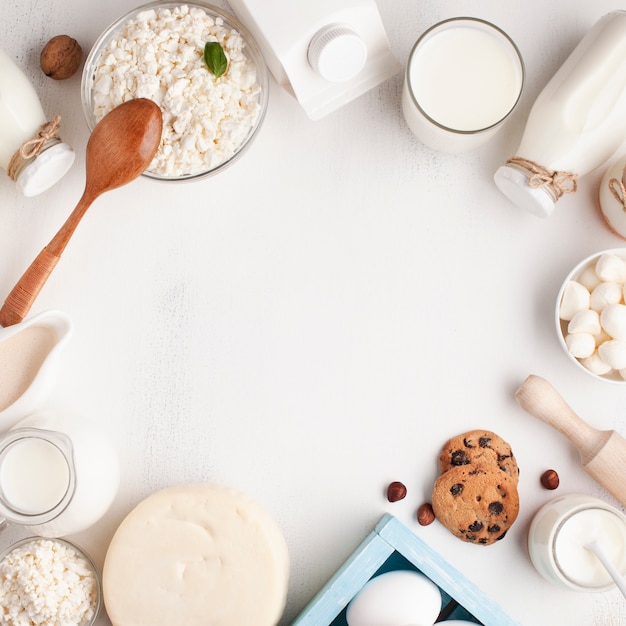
(392, 546)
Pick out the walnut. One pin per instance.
(61, 57)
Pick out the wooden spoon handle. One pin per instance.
(18, 302)
(539, 398)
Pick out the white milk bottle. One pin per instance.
(58, 474)
(31, 151)
(576, 124)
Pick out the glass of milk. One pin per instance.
(559, 533)
(463, 79)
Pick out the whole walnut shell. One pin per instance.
(61, 57)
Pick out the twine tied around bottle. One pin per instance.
(558, 182)
(618, 189)
(33, 147)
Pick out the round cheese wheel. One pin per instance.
(196, 555)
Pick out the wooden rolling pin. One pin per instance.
(602, 452)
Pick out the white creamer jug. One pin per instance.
(59, 474)
(31, 151)
(29, 362)
(576, 124)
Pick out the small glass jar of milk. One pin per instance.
(59, 474)
(31, 151)
(464, 78)
(560, 535)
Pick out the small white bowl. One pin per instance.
(561, 325)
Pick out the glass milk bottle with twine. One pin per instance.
(576, 124)
(31, 151)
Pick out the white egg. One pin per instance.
(396, 598)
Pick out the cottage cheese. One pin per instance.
(46, 582)
(159, 55)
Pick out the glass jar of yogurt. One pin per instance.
(561, 530)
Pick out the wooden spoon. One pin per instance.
(120, 148)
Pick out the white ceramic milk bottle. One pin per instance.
(58, 474)
(576, 124)
(31, 151)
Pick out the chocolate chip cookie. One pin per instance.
(478, 447)
(475, 502)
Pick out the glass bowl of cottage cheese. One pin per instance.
(48, 581)
(200, 65)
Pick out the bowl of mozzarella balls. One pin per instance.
(203, 69)
(591, 315)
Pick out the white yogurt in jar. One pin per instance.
(559, 533)
(578, 563)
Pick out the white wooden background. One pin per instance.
(318, 319)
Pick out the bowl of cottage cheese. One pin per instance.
(203, 69)
(48, 581)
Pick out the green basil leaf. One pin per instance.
(215, 58)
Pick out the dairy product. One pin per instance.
(29, 358)
(575, 125)
(592, 324)
(559, 533)
(196, 555)
(158, 54)
(577, 562)
(53, 454)
(325, 53)
(21, 357)
(612, 197)
(44, 160)
(464, 77)
(49, 583)
(34, 475)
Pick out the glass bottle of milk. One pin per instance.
(58, 474)
(576, 124)
(31, 151)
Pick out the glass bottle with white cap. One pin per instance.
(576, 124)
(31, 151)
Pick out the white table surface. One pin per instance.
(318, 319)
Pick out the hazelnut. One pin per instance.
(61, 57)
(396, 491)
(425, 514)
(550, 479)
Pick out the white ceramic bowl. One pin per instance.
(233, 137)
(63, 544)
(576, 274)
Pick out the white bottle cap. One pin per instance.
(48, 168)
(337, 53)
(513, 183)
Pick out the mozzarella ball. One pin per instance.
(587, 321)
(611, 269)
(575, 298)
(605, 294)
(613, 320)
(596, 365)
(613, 353)
(581, 345)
